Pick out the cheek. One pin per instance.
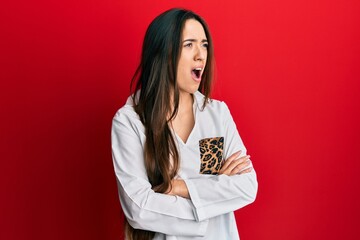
(181, 69)
(182, 66)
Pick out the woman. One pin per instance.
(180, 163)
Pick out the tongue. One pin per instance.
(196, 73)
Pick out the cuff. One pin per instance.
(200, 214)
(203, 227)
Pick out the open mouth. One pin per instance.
(197, 72)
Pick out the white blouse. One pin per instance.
(209, 213)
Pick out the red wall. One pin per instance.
(289, 71)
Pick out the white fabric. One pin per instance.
(209, 214)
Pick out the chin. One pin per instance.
(192, 91)
(190, 88)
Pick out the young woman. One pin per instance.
(180, 164)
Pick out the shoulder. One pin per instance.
(126, 111)
(126, 117)
(213, 105)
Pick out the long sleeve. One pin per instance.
(144, 208)
(213, 195)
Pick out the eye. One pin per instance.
(206, 45)
(188, 44)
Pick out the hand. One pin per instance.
(179, 188)
(235, 165)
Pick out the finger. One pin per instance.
(240, 167)
(236, 165)
(230, 159)
(246, 170)
(238, 161)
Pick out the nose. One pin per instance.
(200, 54)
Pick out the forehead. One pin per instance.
(193, 30)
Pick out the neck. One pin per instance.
(186, 100)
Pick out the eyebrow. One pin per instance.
(194, 40)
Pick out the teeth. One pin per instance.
(198, 69)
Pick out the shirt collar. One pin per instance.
(199, 99)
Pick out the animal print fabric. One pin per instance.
(211, 155)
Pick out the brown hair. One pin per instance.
(159, 98)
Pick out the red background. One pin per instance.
(289, 71)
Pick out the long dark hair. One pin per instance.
(157, 101)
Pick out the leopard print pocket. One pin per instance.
(211, 150)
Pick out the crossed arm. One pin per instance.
(187, 206)
(233, 165)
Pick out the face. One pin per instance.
(192, 58)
